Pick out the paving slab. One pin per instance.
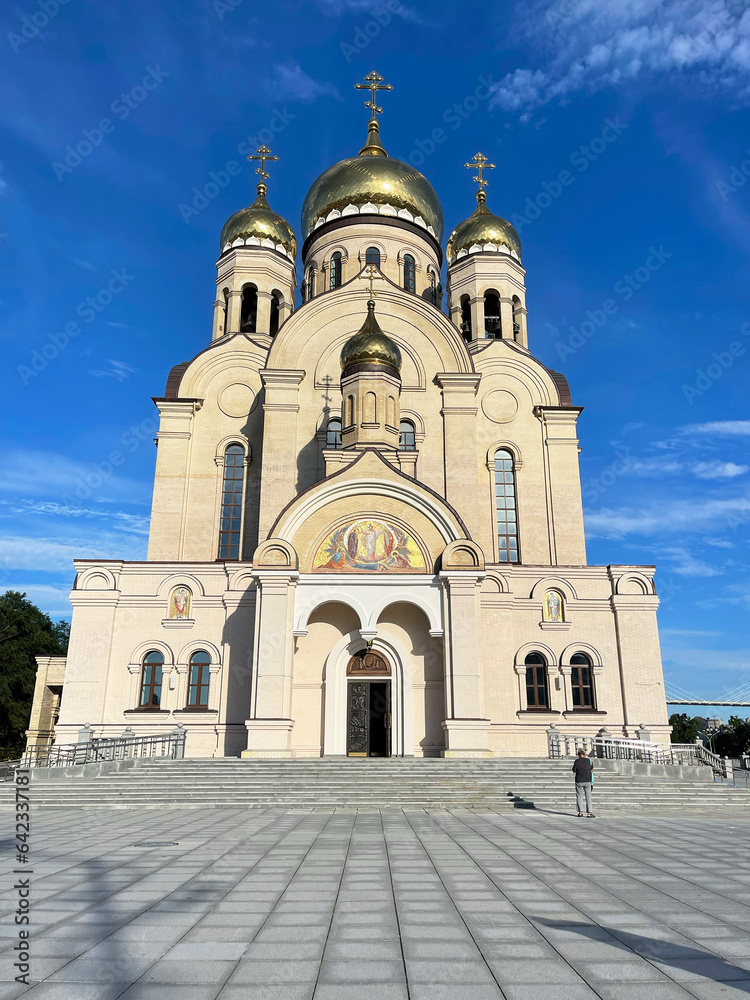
(385, 904)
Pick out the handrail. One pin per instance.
(171, 745)
(643, 751)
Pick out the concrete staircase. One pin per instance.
(330, 782)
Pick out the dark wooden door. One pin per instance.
(368, 732)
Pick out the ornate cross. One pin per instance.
(374, 82)
(264, 153)
(480, 163)
(372, 272)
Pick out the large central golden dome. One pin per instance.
(373, 179)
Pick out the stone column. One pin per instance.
(279, 475)
(476, 305)
(639, 657)
(506, 318)
(459, 413)
(466, 728)
(269, 728)
(263, 317)
(219, 319)
(234, 312)
(563, 484)
(172, 478)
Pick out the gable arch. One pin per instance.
(503, 445)
(535, 647)
(168, 584)
(156, 646)
(195, 646)
(95, 578)
(635, 584)
(338, 596)
(235, 438)
(581, 647)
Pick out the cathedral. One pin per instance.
(367, 533)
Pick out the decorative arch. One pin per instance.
(362, 253)
(181, 580)
(242, 580)
(416, 419)
(430, 613)
(495, 583)
(96, 578)
(535, 647)
(502, 445)
(211, 364)
(275, 553)
(348, 599)
(553, 583)
(462, 555)
(635, 584)
(158, 646)
(581, 647)
(195, 646)
(235, 438)
(329, 359)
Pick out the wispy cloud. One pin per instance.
(586, 46)
(666, 516)
(84, 264)
(118, 370)
(30, 474)
(731, 428)
(684, 563)
(289, 81)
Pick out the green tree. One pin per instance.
(735, 739)
(684, 728)
(25, 632)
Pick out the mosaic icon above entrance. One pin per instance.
(369, 545)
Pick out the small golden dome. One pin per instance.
(373, 178)
(260, 221)
(481, 228)
(371, 346)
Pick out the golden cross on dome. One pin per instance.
(372, 272)
(374, 82)
(479, 163)
(264, 153)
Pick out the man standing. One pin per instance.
(583, 769)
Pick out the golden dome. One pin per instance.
(481, 228)
(373, 178)
(261, 222)
(371, 346)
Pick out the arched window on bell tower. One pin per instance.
(275, 313)
(492, 325)
(466, 318)
(517, 318)
(249, 312)
(372, 256)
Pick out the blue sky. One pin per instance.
(621, 134)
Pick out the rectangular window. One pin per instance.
(583, 689)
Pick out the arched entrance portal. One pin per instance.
(368, 700)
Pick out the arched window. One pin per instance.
(198, 680)
(230, 525)
(516, 318)
(225, 295)
(390, 416)
(582, 682)
(333, 433)
(410, 273)
(273, 328)
(151, 676)
(372, 256)
(492, 315)
(370, 410)
(505, 504)
(310, 284)
(407, 440)
(349, 411)
(432, 296)
(335, 277)
(465, 319)
(249, 312)
(537, 696)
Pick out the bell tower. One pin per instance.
(256, 279)
(486, 286)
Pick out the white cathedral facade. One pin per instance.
(367, 532)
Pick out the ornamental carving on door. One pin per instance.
(367, 662)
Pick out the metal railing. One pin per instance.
(96, 750)
(641, 751)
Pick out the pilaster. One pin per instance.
(279, 473)
(459, 413)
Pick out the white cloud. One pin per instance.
(119, 370)
(588, 46)
(718, 470)
(46, 474)
(46, 554)
(684, 563)
(122, 520)
(732, 428)
(719, 543)
(290, 82)
(84, 264)
(678, 515)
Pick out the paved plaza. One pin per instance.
(275, 904)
